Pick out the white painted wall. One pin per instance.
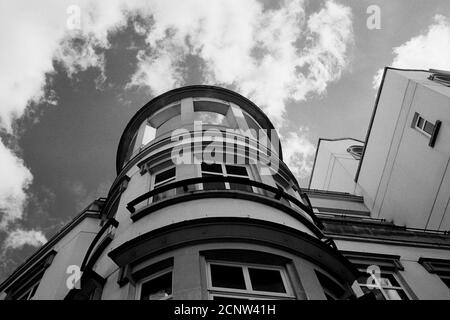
(415, 277)
(402, 178)
(335, 168)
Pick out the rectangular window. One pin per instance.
(228, 280)
(157, 286)
(422, 125)
(161, 178)
(225, 170)
(385, 286)
(439, 267)
(379, 274)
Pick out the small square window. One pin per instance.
(422, 125)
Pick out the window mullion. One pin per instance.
(248, 283)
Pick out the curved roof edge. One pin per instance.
(184, 92)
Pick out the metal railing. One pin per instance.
(183, 187)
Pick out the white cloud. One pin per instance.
(242, 46)
(298, 152)
(32, 35)
(15, 179)
(254, 50)
(19, 237)
(430, 50)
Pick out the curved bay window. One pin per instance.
(225, 170)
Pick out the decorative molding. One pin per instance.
(436, 266)
(384, 261)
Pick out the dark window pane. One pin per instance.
(266, 280)
(157, 288)
(165, 175)
(420, 122)
(237, 170)
(227, 277)
(213, 185)
(429, 127)
(214, 167)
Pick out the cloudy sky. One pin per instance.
(74, 72)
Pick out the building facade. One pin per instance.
(203, 207)
(386, 205)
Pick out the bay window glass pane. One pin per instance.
(227, 276)
(266, 280)
(213, 185)
(157, 288)
(236, 170)
(213, 167)
(165, 175)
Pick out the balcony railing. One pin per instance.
(217, 183)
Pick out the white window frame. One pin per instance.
(151, 277)
(226, 174)
(248, 293)
(383, 287)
